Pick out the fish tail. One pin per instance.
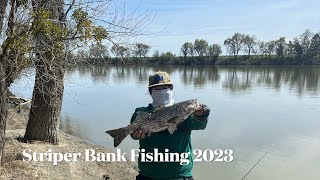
(118, 135)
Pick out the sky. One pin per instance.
(173, 22)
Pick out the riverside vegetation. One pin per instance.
(241, 49)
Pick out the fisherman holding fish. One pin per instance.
(177, 141)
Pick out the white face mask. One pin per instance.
(162, 97)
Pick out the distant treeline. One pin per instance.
(242, 49)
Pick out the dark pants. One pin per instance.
(140, 177)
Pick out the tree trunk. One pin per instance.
(3, 108)
(44, 117)
(3, 7)
(3, 87)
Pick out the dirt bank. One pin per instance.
(15, 168)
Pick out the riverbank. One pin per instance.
(14, 168)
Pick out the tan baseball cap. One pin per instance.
(159, 78)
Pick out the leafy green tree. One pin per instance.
(187, 49)
(298, 49)
(98, 50)
(280, 46)
(200, 46)
(191, 49)
(45, 35)
(249, 43)
(261, 47)
(120, 51)
(290, 48)
(141, 49)
(156, 53)
(50, 32)
(234, 44)
(56, 26)
(184, 49)
(305, 40)
(214, 51)
(314, 46)
(270, 48)
(165, 58)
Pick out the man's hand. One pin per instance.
(201, 111)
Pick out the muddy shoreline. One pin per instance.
(14, 168)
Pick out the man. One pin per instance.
(160, 89)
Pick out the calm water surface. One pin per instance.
(253, 109)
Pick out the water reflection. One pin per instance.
(199, 76)
(301, 79)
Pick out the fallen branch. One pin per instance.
(18, 101)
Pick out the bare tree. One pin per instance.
(12, 59)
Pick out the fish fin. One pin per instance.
(118, 135)
(172, 128)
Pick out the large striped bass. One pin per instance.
(164, 118)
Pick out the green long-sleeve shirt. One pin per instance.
(178, 142)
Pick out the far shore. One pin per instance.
(204, 60)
